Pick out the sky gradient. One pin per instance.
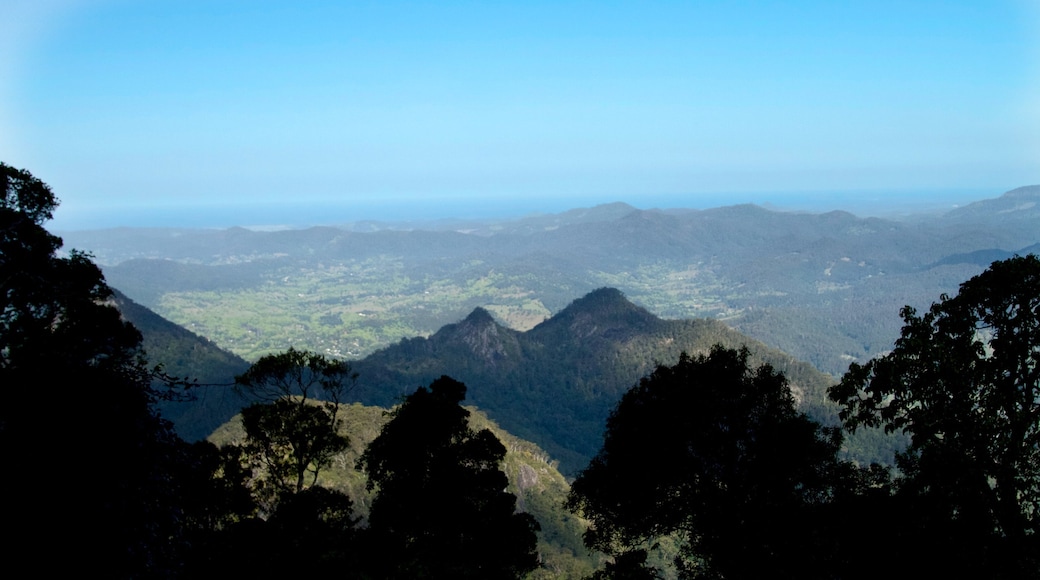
(221, 112)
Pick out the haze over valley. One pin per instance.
(520, 290)
(824, 287)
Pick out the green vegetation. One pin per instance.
(823, 288)
(539, 487)
(84, 446)
(713, 452)
(348, 310)
(964, 383)
(556, 383)
(289, 441)
(441, 509)
(708, 467)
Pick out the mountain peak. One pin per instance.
(1022, 203)
(481, 336)
(1032, 191)
(479, 317)
(604, 313)
(602, 298)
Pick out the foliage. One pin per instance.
(298, 373)
(62, 343)
(289, 443)
(964, 382)
(539, 487)
(312, 532)
(630, 565)
(442, 509)
(541, 491)
(715, 452)
(51, 304)
(206, 403)
(291, 435)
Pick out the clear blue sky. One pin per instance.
(189, 107)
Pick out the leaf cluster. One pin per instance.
(964, 383)
(441, 508)
(716, 452)
(61, 341)
(289, 434)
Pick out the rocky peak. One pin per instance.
(482, 336)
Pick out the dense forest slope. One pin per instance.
(210, 371)
(556, 383)
(826, 288)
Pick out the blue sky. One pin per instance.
(153, 111)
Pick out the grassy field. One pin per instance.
(351, 309)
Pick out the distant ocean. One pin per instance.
(293, 213)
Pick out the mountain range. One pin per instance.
(826, 288)
(556, 383)
(553, 385)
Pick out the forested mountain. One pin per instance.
(710, 459)
(826, 288)
(211, 410)
(556, 383)
(209, 371)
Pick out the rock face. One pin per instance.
(527, 477)
(488, 341)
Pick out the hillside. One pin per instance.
(826, 288)
(556, 383)
(213, 413)
(533, 478)
(184, 354)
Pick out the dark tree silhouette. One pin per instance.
(294, 434)
(964, 382)
(442, 509)
(311, 533)
(84, 451)
(300, 375)
(714, 454)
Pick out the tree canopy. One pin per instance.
(298, 374)
(294, 432)
(714, 454)
(75, 386)
(964, 382)
(442, 509)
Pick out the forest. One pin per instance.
(708, 468)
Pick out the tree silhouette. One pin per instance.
(442, 509)
(77, 393)
(295, 432)
(714, 454)
(964, 382)
(310, 533)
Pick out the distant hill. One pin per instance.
(825, 287)
(556, 383)
(1009, 222)
(1018, 205)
